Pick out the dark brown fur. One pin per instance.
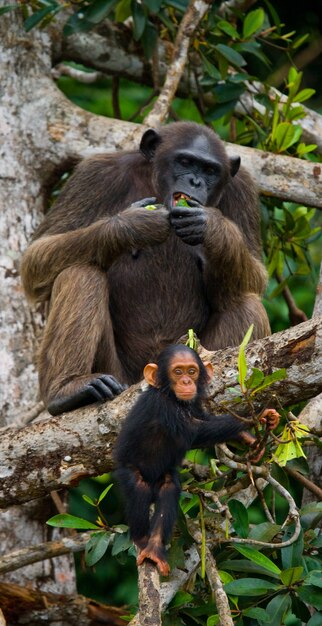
(122, 285)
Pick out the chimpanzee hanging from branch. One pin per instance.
(124, 281)
(165, 422)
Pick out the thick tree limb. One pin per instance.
(23, 605)
(59, 452)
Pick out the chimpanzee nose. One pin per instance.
(195, 181)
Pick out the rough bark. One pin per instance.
(21, 605)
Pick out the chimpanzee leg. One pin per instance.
(228, 327)
(77, 329)
(166, 504)
(138, 497)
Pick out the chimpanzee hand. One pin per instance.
(143, 203)
(189, 222)
(143, 226)
(103, 387)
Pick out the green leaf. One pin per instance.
(315, 620)
(88, 500)
(104, 493)
(286, 135)
(264, 532)
(277, 608)
(231, 55)
(253, 22)
(254, 379)
(181, 599)
(228, 92)
(259, 558)
(304, 94)
(98, 10)
(76, 24)
(270, 379)
(123, 10)
(121, 543)
(291, 575)
(153, 5)
(310, 595)
(242, 365)
(149, 39)
(245, 566)
(65, 520)
(37, 17)
(218, 111)
(139, 20)
(8, 7)
(213, 620)
(240, 518)
(250, 587)
(314, 578)
(257, 614)
(96, 547)
(227, 28)
(292, 555)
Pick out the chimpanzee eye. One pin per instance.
(184, 161)
(178, 371)
(192, 371)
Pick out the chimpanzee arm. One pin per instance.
(217, 429)
(98, 244)
(227, 254)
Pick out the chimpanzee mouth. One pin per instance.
(178, 196)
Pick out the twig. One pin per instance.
(115, 98)
(224, 456)
(47, 550)
(296, 315)
(83, 77)
(217, 589)
(189, 23)
(308, 484)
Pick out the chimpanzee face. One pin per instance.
(194, 173)
(191, 166)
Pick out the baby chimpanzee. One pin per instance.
(165, 422)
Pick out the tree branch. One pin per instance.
(58, 452)
(47, 550)
(217, 589)
(23, 605)
(192, 17)
(178, 578)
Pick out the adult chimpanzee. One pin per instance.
(165, 422)
(124, 281)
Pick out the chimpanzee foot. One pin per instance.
(103, 387)
(155, 555)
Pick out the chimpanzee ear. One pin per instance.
(210, 370)
(149, 142)
(234, 165)
(150, 374)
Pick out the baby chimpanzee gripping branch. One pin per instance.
(165, 422)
